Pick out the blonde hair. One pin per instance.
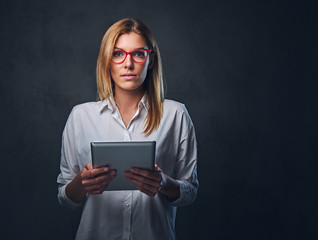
(153, 84)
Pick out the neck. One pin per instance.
(128, 100)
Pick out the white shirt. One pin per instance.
(129, 214)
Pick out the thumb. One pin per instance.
(89, 166)
(157, 168)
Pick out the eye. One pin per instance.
(118, 53)
(139, 53)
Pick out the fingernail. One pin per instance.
(106, 169)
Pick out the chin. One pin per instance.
(131, 86)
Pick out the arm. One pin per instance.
(181, 189)
(170, 188)
(75, 183)
(178, 192)
(89, 181)
(186, 168)
(153, 182)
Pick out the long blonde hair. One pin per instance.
(153, 84)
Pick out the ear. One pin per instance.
(151, 61)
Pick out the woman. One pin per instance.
(131, 107)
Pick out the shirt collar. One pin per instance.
(107, 103)
(144, 102)
(111, 105)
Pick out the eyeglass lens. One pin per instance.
(139, 55)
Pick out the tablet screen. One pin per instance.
(122, 156)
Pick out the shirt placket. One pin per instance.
(127, 195)
(127, 214)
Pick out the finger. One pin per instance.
(95, 192)
(89, 166)
(96, 189)
(98, 171)
(99, 179)
(99, 188)
(157, 168)
(144, 188)
(138, 182)
(86, 174)
(150, 194)
(143, 180)
(154, 175)
(91, 189)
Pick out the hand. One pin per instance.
(147, 181)
(95, 180)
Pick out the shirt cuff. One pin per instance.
(64, 200)
(184, 195)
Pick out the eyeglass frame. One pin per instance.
(129, 53)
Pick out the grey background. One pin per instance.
(246, 71)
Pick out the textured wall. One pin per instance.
(246, 72)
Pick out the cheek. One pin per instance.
(143, 74)
(113, 71)
(112, 68)
(143, 71)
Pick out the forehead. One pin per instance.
(130, 41)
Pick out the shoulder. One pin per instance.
(88, 107)
(176, 114)
(84, 111)
(173, 106)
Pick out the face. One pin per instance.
(129, 75)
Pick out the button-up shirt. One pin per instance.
(129, 214)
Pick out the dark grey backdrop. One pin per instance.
(246, 71)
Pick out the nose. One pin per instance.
(129, 62)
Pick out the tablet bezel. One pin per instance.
(122, 156)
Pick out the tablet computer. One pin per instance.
(122, 156)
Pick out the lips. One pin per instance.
(128, 76)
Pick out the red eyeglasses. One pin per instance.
(139, 56)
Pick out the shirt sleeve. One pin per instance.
(186, 165)
(69, 166)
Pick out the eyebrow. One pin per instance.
(134, 48)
